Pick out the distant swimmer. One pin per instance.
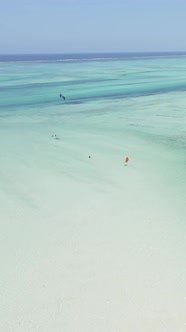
(89, 156)
(61, 96)
(126, 160)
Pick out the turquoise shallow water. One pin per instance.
(89, 235)
(132, 107)
(143, 98)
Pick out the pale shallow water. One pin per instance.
(88, 244)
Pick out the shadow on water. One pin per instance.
(72, 102)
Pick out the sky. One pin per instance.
(78, 26)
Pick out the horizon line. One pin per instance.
(100, 52)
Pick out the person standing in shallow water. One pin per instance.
(126, 160)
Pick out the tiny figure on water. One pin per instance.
(126, 160)
(61, 96)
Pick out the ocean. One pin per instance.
(88, 242)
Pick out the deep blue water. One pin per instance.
(87, 56)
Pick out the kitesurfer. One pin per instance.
(61, 96)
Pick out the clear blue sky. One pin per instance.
(57, 26)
